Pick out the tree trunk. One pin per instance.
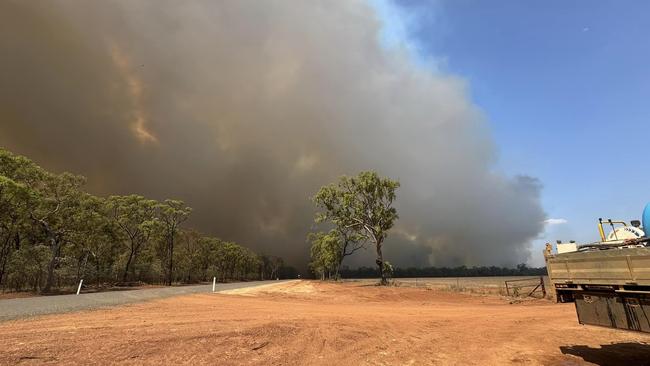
(380, 263)
(171, 260)
(81, 266)
(17, 241)
(97, 276)
(338, 267)
(50, 267)
(4, 257)
(128, 264)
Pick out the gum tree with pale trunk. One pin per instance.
(364, 205)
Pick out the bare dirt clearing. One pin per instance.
(311, 323)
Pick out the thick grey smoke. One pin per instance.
(244, 108)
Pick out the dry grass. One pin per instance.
(478, 286)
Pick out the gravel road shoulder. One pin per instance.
(33, 306)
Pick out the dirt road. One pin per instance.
(311, 323)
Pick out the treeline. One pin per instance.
(52, 234)
(461, 271)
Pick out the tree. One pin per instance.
(93, 238)
(351, 241)
(195, 259)
(215, 263)
(171, 213)
(363, 203)
(325, 253)
(19, 177)
(270, 266)
(274, 265)
(13, 199)
(54, 208)
(135, 218)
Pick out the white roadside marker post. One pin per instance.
(79, 288)
(214, 284)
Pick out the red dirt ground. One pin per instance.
(311, 323)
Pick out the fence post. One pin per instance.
(214, 283)
(507, 289)
(79, 288)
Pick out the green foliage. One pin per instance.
(52, 234)
(134, 218)
(387, 270)
(27, 267)
(326, 254)
(271, 267)
(171, 214)
(13, 199)
(360, 208)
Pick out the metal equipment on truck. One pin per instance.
(609, 280)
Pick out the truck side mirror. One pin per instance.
(635, 223)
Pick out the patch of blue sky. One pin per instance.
(397, 24)
(563, 85)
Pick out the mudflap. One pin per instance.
(621, 311)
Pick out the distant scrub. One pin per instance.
(461, 271)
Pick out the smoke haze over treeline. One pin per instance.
(245, 108)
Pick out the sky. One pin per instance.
(564, 87)
(507, 126)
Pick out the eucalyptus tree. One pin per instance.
(55, 209)
(269, 266)
(245, 262)
(20, 169)
(92, 240)
(345, 233)
(135, 218)
(265, 261)
(276, 263)
(215, 264)
(325, 253)
(18, 176)
(171, 214)
(13, 199)
(252, 263)
(192, 256)
(227, 257)
(364, 204)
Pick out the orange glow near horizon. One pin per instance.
(136, 91)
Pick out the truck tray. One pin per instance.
(602, 267)
(610, 288)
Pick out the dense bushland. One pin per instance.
(53, 233)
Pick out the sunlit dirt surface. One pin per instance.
(312, 323)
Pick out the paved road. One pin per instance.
(32, 306)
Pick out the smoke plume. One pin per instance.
(245, 108)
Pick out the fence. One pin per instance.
(528, 287)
